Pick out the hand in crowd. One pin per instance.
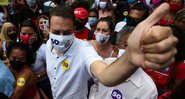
(152, 46)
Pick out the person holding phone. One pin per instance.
(43, 24)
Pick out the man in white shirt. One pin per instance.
(71, 62)
(138, 86)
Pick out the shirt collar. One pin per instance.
(136, 77)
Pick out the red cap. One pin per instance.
(81, 13)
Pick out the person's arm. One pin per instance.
(21, 84)
(41, 75)
(149, 46)
(115, 73)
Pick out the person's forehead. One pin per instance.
(136, 13)
(92, 14)
(102, 24)
(18, 53)
(57, 21)
(30, 29)
(11, 28)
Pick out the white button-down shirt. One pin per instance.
(70, 72)
(138, 86)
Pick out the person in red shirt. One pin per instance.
(80, 31)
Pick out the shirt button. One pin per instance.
(55, 68)
(54, 78)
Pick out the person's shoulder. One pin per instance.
(82, 42)
(146, 79)
(42, 47)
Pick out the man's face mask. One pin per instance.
(79, 25)
(60, 42)
(28, 40)
(31, 3)
(12, 35)
(102, 38)
(16, 65)
(92, 21)
(102, 5)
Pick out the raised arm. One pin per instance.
(149, 46)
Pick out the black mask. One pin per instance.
(16, 65)
(132, 22)
(12, 36)
(79, 25)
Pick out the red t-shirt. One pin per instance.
(179, 72)
(83, 35)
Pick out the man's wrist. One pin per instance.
(127, 61)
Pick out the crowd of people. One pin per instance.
(92, 49)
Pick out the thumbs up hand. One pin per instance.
(151, 46)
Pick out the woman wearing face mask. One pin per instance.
(92, 19)
(104, 36)
(175, 6)
(105, 9)
(25, 86)
(30, 36)
(8, 33)
(42, 23)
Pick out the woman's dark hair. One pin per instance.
(19, 45)
(109, 21)
(180, 46)
(42, 16)
(180, 16)
(39, 41)
(179, 91)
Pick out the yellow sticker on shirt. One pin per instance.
(65, 65)
(21, 82)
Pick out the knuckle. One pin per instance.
(160, 46)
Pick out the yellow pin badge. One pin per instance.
(21, 82)
(65, 65)
(125, 13)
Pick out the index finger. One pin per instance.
(157, 15)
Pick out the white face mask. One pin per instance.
(31, 3)
(61, 43)
(101, 38)
(92, 21)
(103, 5)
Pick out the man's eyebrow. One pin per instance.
(56, 31)
(66, 31)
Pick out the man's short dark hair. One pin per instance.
(63, 12)
(141, 7)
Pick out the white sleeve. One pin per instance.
(90, 56)
(43, 52)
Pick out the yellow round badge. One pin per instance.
(125, 13)
(21, 82)
(65, 65)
